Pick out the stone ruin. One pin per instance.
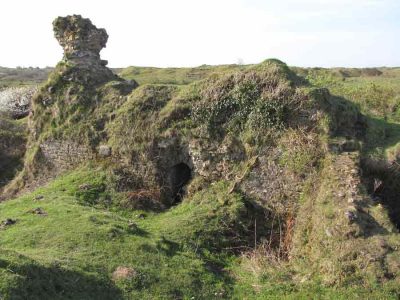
(81, 67)
(82, 43)
(80, 39)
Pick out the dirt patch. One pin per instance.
(121, 273)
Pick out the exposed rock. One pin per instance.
(351, 215)
(328, 232)
(7, 222)
(16, 101)
(141, 216)
(80, 39)
(82, 43)
(132, 225)
(64, 154)
(104, 151)
(85, 187)
(212, 159)
(39, 211)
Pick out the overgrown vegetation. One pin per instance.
(148, 75)
(23, 76)
(12, 147)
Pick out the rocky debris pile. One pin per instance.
(38, 197)
(38, 211)
(6, 223)
(82, 43)
(104, 151)
(16, 101)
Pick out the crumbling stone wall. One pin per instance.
(82, 43)
(63, 155)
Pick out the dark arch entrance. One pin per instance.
(180, 175)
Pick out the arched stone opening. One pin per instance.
(179, 176)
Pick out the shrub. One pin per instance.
(248, 100)
(143, 200)
(92, 194)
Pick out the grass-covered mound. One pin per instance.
(260, 212)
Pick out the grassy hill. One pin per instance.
(293, 191)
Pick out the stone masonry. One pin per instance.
(65, 154)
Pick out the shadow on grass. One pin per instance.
(33, 281)
(168, 247)
(380, 177)
(9, 166)
(367, 223)
(381, 134)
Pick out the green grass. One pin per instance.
(378, 98)
(22, 76)
(182, 253)
(72, 252)
(149, 75)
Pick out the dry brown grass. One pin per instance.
(144, 200)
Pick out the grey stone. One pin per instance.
(104, 151)
(16, 101)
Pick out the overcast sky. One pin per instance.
(176, 33)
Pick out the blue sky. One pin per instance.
(326, 33)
